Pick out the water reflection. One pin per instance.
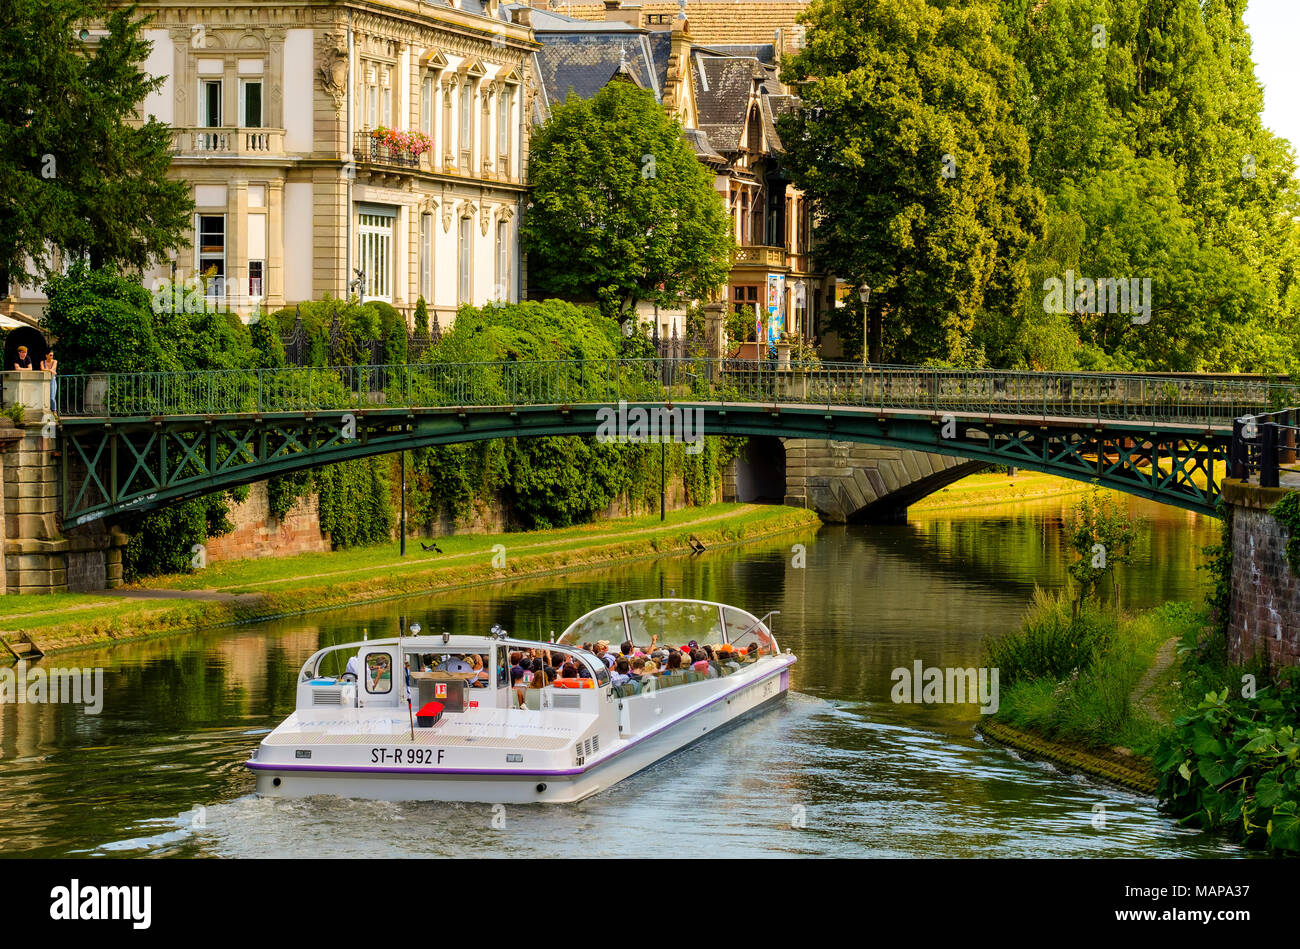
(159, 772)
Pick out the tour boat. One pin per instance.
(460, 731)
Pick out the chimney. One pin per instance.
(522, 16)
(616, 12)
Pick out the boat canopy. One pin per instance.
(670, 622)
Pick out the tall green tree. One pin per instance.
(621, 211)
(917, 171)
(1145, 134)
(78, 172)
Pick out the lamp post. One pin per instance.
(864, 294)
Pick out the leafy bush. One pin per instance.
(1051, 643)
(1232, 763)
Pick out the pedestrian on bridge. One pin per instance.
(51, 365)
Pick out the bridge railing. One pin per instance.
(1104, 397)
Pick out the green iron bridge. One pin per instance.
(133, 442)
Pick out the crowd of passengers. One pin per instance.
(631, 666)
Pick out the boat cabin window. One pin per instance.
(473, 668)
(597, 668)
(604, 624)
(673, 622)
(379, 673)
(743, 629)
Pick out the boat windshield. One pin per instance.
(669, 622)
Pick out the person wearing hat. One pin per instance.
(23, 361)
(603, 653)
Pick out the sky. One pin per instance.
(1274, 28)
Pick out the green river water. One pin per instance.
(838, 769)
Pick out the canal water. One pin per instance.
(837, 770)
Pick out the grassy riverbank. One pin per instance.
(990, 488)
(1094, 692)
(1152, 702)
(248, 590)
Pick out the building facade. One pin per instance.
(727, 98)
(345, 147)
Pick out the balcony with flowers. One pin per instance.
(385, 146)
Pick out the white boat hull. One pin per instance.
(741, 695)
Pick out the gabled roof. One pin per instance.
(585, 61)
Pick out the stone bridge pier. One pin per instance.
(40, 556)
(844, 482)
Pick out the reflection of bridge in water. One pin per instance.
(138, 441)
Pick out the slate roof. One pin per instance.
(763, 52)
(584, 62)
(722, 88)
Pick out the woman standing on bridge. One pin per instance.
(51, 365)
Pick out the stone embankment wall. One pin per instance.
(257, 534)
(1264, 620)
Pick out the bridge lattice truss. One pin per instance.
(136, 442)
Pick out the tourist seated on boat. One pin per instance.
(650, 670)
(627, 649)
(621, 673)
(703, 665)
(674, 664)
(636, 670)
(603, 654)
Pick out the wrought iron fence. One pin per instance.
(1262, 444)
(1197, 401)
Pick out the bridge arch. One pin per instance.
(760, 471)
(127, 465)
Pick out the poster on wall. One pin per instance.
(775, 306)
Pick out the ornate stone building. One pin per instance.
(345, 146)
(727, 97)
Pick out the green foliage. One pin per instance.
(1151, 151)
(1100, 530)
(739, 323)
(546, 482)
(622, 210)
(1232, 763)
(1051, 642)
(104, 323)
(1093, 703)
(356, 501)
(76, 170)
(1287, 513)
(14, 413)
(1219, 564)
(422, 330)
(910, 154)
(268, 351)
(162, 541)
(358, 325)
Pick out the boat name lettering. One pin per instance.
(406, 755)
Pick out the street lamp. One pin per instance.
(864, 294)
